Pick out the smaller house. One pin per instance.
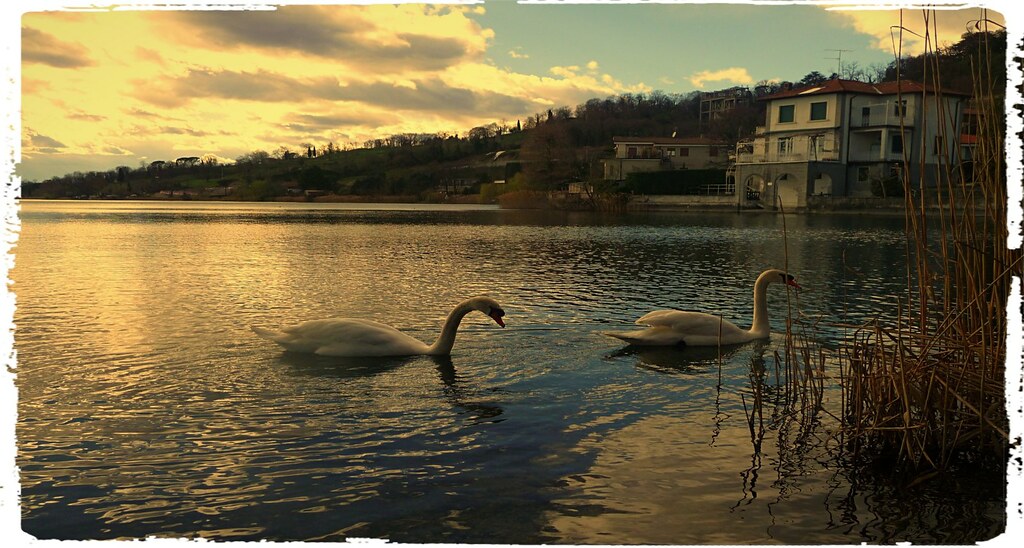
(636, 154)
(496, 167)
(219, 191)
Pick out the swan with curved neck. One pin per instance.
(676, 327)
(352, 337)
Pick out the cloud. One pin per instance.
(140, 113)
(43, 48)
(433, 95)
(565, 72)
(174, 130)
(735, 75)
(262, 85)
(36, 140)
(573, 71)
(152, 56)
(575, 83)
(517, 53)
(943, 26)
(381, 38)
(315, 123)
(429, 94)
(86, 117)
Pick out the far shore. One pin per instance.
(679, 204)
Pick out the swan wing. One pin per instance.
(651, 336)
(347, 337)
(690, 328)
(691, 322)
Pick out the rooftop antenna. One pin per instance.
(838, 57)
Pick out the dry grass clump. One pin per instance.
(924, 400)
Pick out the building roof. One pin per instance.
(669, 140)
(853, 86)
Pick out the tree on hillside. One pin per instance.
(976, 52)
(737, 123)
(284, 153)
(256, 157)
(766, 87)
(547, 156)
(812, 78)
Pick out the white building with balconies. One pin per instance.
(844, 138)
(636, 154)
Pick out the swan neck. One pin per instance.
(446, 340)
(760, 326)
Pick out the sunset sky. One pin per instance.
(100, 89)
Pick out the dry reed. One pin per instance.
(925, 389)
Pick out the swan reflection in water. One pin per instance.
(315, 365)
(681, 359)
(455, 388)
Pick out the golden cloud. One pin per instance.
(735, 75)
(903, 31)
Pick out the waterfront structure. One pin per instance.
(844, 138)
(639, 154)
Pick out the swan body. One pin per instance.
(677, 327)
(353, 337)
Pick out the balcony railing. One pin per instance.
(875, 156)
(777, 157)
(883, 114)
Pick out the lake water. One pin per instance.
(147, 407)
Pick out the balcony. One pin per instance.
(875, 155)
(800, 149)
(881, 114)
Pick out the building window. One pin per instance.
(785, 146)
(896, 144)
(899, 108)
(684, 151)
(818, 143)
(631, 152)
(786, 113)
(819, 111)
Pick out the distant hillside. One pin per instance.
(544, 151)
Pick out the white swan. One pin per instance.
(674, 327)
(351, 337)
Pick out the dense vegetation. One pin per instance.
(544, 151)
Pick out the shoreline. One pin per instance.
(658, 204)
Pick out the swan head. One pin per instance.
(781, 278)
(490, 307)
